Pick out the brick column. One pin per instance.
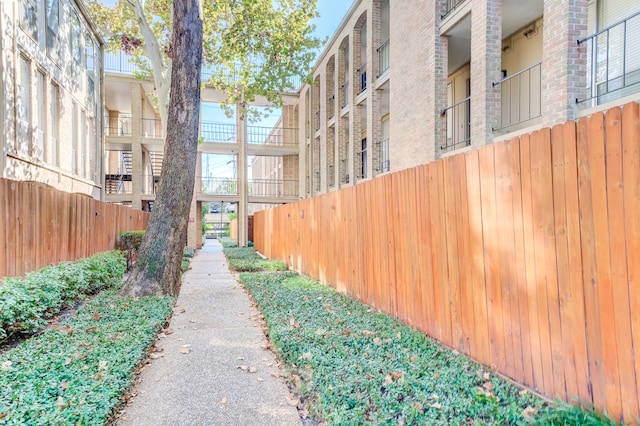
(136, 145)
(486, 53)
(564, 63)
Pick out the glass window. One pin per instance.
(76, 45)
(55, 117)
(29, 18)
(74, 138)
(91, 73)
(52, 17)
(37, 150)
(24, 107)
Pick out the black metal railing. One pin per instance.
(383, 56)
(272, 136)
(385, 164)
(458, 118)
(272, 188)
(152, 128)
(218, 132)
(121, 126)
(520, 96)
(613, 61)
(451, 6)
(219, 185)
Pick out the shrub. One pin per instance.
(26, 303)
(246, 259)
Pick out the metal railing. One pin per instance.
(330, 106)
(385, 164)
(272, 188)
(451, 6)
(272, 136)
(613, 63)
(383, 56)
(122, 63)
(219, 185)
(121, 128)
(458, 118)
(362, 72)
(218, 132)
(521, 96)
(152, 128)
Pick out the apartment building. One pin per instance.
(405, 83)
(51, 67)
(134, 146)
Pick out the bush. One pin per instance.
(246, 259)
(26, 303)
(228, 242)
(76, 372)
(130, 242)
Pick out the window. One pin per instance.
(52, 16)
(74, 138)
(91, 73)
(363, 159)
(83, 144)
(55, 90)
(76, 45)
(37, 151)
(24, 107)
(29, 18)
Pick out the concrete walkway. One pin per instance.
(211, 370)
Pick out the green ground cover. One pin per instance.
(349, 364)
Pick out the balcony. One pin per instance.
(521, 97)
(219, 186)
(330, 107)
(273, 136)
(345, 94)
(458, 118)
(613, 63)
(152, 128)
(218, 132)
(383, 57)
(451, 6)
(384, 164)
(119, 127)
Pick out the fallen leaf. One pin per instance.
(252, 369)
(486, 376)
(435, 396)
(185, 350)
(99, 376)
(413, 357)
(294, 402)
(102, 365)
(399, 335)
(84, 345)
(327, 306)
(488, 386)
(64, 385)
(523, 392)
(96, 316)
(5, 365)
(168, 331)
(243, 367)
(3, 415)
(92, 329)
(346, 332)
(529, 412)
(387, 379)
(67, 330)
(320, 331)
(377, 341)
(435, 405)
(367, 332)
(306, 355)
(60, 403)
(224, 400)
(260, 379)
(67, 361)
(240, 358)
(156, 355)
(418, 406)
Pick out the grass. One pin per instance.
(76, 372)
(246, 259)
(349, 364)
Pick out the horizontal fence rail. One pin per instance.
(41, 225)
(521, 254)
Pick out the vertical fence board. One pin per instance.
(426, 258)
(464, 263)
(594, 335)
(506, 256)
(619, 282)
(4, 237)
(562, 256)
(491, 259)
(476, 246)
(631, 182)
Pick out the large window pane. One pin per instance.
(29, 18)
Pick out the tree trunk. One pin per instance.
(158, 268)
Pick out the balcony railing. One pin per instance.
(272, 136)
(218, 132)
(613, 60)
(458, 118)
(272, 188)
(362, 72)
(121, 126)
(121, 63)
(330, 106)
(152, 128)
(219, 185)
(383, 56)
(451, 6)
(385, 164)
(521, 96)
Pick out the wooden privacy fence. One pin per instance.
(525, 254)
(40, 225)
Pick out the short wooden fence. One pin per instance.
(525, 254)
(40, 225)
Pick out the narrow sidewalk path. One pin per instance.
(214, 322)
